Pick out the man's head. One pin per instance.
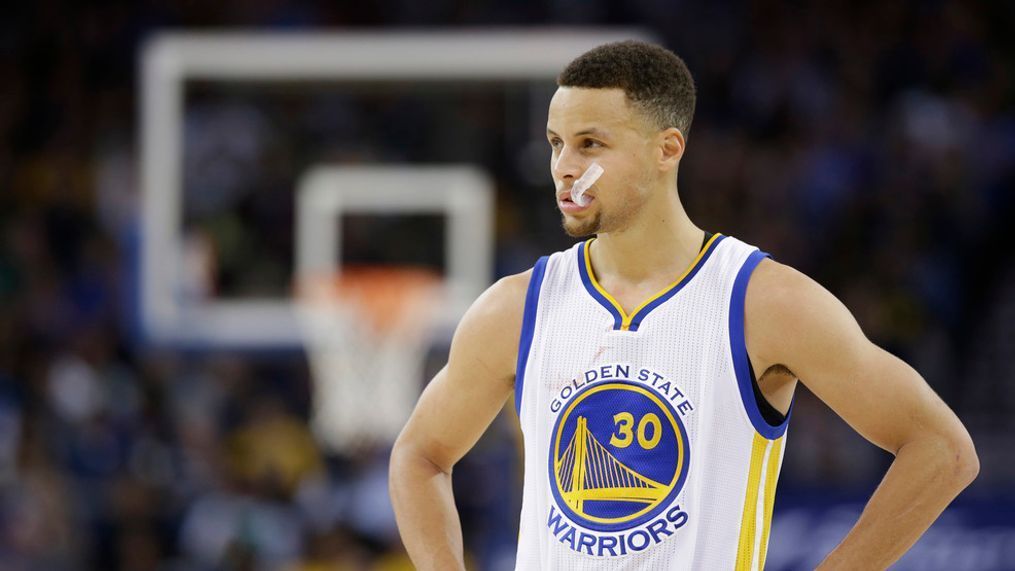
(627, 106)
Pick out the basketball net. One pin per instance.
(366, 331)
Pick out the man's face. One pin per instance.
(599, 125)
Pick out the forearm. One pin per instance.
(924, 478)
(425, 510)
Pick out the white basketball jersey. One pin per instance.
(644, 444)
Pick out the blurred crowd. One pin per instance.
(869, 144)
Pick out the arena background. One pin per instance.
(869, 144)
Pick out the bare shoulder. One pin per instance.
(498, 307)
(489, 332)
(775, 288)
(790, 317)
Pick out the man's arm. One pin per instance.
(453, 412)
(793, 321)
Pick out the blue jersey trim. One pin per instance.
(738, 347)
(528, 328)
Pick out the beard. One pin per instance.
(618, 219)
(582, 228)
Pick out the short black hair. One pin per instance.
(654, 79)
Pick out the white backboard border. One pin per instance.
(169, 61)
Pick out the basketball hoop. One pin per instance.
(366, 330)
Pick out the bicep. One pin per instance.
(875, 392)
(453, 412)
(465, 396)
(879, 395)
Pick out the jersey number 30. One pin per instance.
(624, 421)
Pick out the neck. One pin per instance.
(660, 242)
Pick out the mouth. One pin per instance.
(569, 206)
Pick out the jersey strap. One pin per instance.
(738, 348)
(528, 328)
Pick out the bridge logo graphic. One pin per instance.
(587, 471)
(618, 456)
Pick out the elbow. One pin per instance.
(970, 466)
(410, 460)
(398, 462)
(963, 460)
(398, 451)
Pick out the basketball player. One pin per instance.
(650, 442)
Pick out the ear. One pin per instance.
(671, 145)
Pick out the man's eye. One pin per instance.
(555, 143)
(589, 143)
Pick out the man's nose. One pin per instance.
(567, 165)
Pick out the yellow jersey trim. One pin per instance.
(756, 521)
(628, 318)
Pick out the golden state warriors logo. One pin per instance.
(619, 456)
